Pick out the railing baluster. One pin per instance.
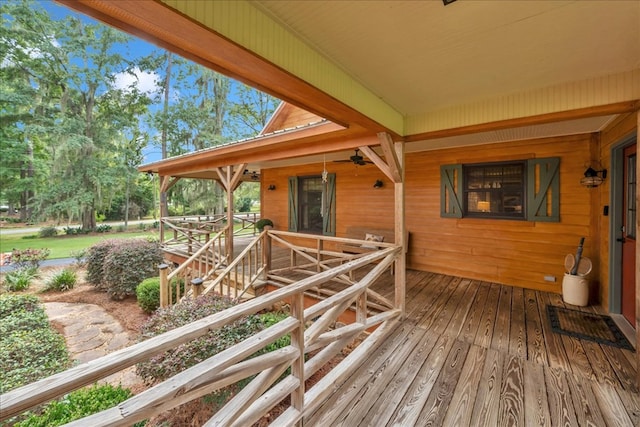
(297, 341)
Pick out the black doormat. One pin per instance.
(587, 326)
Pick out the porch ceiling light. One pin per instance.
(593, 178)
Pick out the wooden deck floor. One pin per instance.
(479, 354)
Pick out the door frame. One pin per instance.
(615, 222)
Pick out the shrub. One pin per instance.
(148, 293)
(76, 405)
(70, 231)
(96, 255)
(50, 231)
(176, 360)
(103, 228)
(29, 349)
(80, 257)
(127, 264)
(62, 281)
(29, 257)
(261, 223)
(20, 279)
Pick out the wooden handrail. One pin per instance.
(23, 398)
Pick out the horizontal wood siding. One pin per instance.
(289, 116)
(518, 253)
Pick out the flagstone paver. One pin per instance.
(90, 333)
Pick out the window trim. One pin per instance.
(541, 196)
(522, 188)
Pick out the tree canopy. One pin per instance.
(77, 119)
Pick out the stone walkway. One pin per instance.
(91, 332)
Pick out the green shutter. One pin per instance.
(329, 214)
(451, 191)
(543, 189)
(293, 203)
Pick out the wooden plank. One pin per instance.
(427, 316)
(631, 402)
(536, 351)
(556, 355)
(600, 364)
(612, 407)
(485, 410)
(389, 391)
(435, 408)
(441, 322)
(376, 366)
(559, 395)
(501, 328)
(518, 327)
(624, 370)
(485, 329)
(536, 406)
(585, 403)
(460, 409)
(409, 409)
(511, 408)
(473, 320)
(460, 312)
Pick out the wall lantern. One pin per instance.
(593, 178)
(271, 187)
(378, 184)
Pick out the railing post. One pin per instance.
(297, 341)
(266, 254)
(164, 285)
(196, 287)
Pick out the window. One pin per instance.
(312, 204)
(494, 190)
(519, 189)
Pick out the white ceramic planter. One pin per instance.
(575, 290)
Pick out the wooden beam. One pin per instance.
(163, 26)
(386, 143)
(581, 113)
(377, 160)
(167, 182)
(401, 234)
(236, 179)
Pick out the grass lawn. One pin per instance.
(63, 246)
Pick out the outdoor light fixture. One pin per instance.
(593, 178)
(378, 184)
(271, 187)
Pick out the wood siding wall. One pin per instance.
(518, 253)
(289, 116)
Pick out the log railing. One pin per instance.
(186, 234)
(243, 274)
(234, 364)
(201, 265)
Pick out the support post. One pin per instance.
(164, 285)
(400, 233)
(266, 254)
(196, 287)
(297, 341)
